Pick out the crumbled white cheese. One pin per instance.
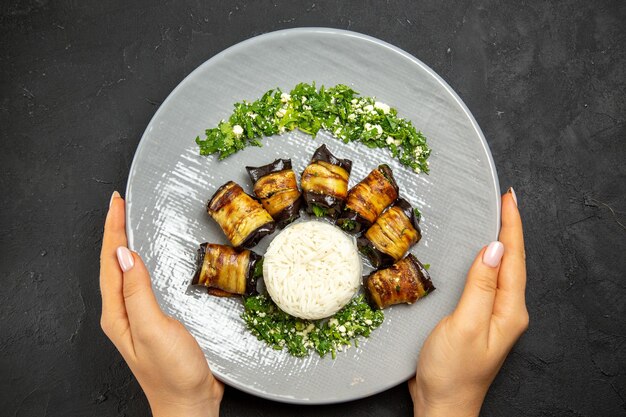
(382, 106)
(284, 97)
(354, 101)
(304, 99)
(352, 117)
(369, 108)
(368, 322)
(281, 129)
(237, 130)
(281, 112)
(342, 329)
(306, 107)
(390, 140)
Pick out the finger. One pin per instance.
(114, 320)
(144, 313)
(476, 304)
(510, 298)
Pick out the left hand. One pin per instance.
(164, 357)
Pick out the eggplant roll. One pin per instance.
(276, 186)
(368, 199)
(391, 236)
(325, 183)
(227, 271)
(242, 218)
(406, 281)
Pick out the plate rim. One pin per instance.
(326, 31)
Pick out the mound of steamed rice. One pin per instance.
(312, 269)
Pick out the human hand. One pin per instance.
(465, 351)
(164, 357)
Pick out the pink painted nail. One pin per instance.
(125, 259)
(512, 191)
(113, 196)
(493, 254)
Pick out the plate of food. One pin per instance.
(308, 203)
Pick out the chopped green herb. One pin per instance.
(318, 211)
(280, 330)
(397, 288)
(418, 214)
(258, 269)
(339, 110)
(427, 266)
(347, 224)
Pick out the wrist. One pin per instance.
(444, 411)
(206, 408)
(446, 407)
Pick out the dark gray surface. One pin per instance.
(80, 81)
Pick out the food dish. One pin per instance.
(276, 186)
(312, 269)
(325, 183)
(226, 271)
(168, 183)
(392, 235)
(406, 281)
(367, 200)
(243, 220)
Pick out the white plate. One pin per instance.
(169, 184)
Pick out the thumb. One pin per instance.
(142, 307)
(476, 304)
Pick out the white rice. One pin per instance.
(312, 269)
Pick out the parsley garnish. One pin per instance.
(340, 110)
(347, 224)
(318, 210)
(280, 330)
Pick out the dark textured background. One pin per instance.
(81, 79)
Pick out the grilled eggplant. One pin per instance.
(406, 281)
(276, 186)
(242, 218)
(325, 183)
(368, 199)
(391, 236)
(227, 271)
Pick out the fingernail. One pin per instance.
(114, 195)
(512, 191)
(493, 254)
(125, 259)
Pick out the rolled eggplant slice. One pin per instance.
(325, 183)
(391, 236)
(276, 186)
(368, 199)
(406, 281)
(226, 271)
(242, 218)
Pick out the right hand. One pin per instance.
(463, 354)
